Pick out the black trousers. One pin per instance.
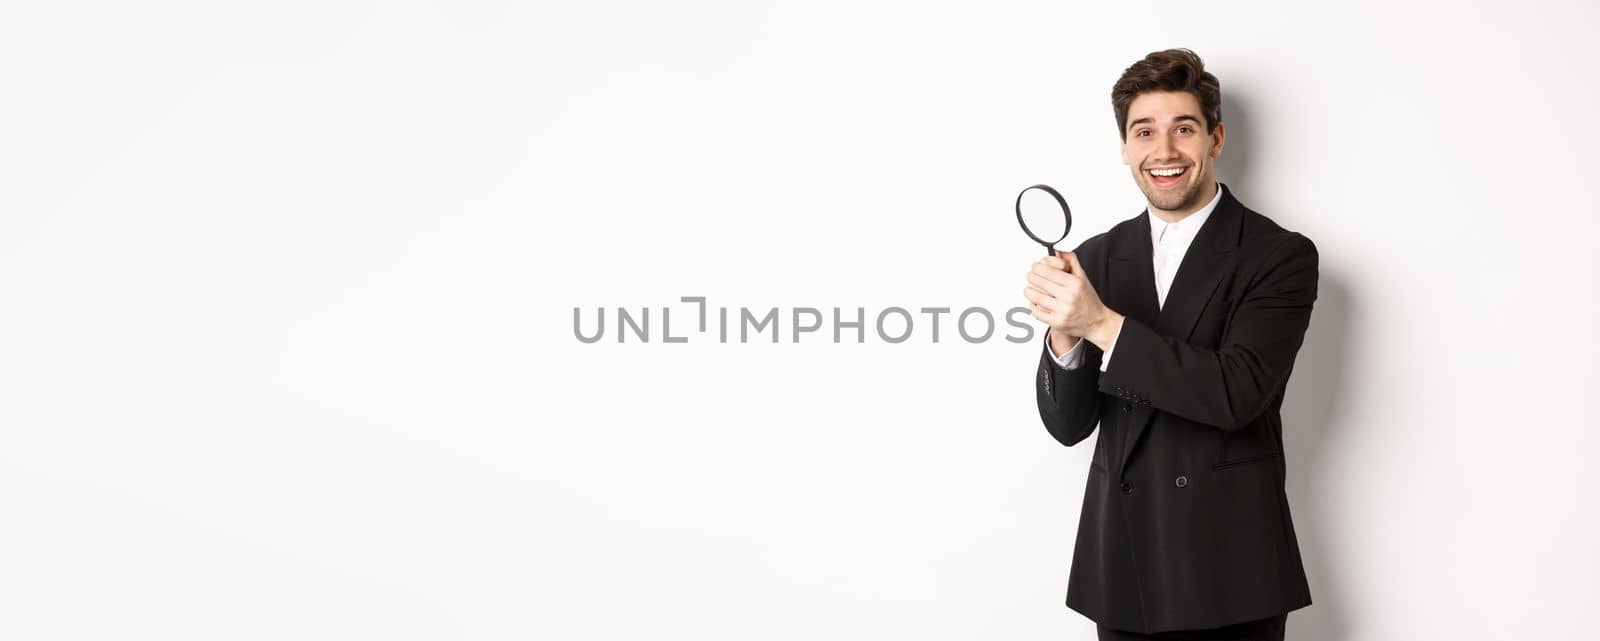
(1268, 629)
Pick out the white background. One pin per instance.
(287, 347)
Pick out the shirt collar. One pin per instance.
(1189, 225)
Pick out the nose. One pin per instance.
(1165, 149)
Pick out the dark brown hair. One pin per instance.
(1169, 70)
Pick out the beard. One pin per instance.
(1178, 198)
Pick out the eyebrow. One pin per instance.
(1147, 119)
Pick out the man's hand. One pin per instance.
(1060, 295)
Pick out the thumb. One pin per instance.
(1073, 266)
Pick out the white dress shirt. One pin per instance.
(1168, 242)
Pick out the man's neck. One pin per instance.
(1206, 195)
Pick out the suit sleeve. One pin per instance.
(1069, 401)
(1231, 386)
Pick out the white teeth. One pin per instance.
(1166, 172)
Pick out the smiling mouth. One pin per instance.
(1166, 176)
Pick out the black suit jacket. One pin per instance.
(1185, 523)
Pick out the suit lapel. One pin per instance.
(1209, 259)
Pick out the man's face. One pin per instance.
(1166, 131)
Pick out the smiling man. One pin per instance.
(1174, 333)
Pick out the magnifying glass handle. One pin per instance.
(1049, 251)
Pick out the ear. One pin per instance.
(1124, 150)
(1217, 139)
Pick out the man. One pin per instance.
(1175, 332)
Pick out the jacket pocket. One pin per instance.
(1245, 461)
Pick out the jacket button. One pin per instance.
(1127, 408)
(1127, 488)
(1182, 481)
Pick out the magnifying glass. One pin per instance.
(1044, 216)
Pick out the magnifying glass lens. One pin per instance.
(1042, 215)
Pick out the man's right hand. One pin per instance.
(1045, 305)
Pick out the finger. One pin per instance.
(1062, 256)
(1053, 262)
(1039, 298)
(1074, 266)
(1053, 275)
(1036, 296)
(1057, 285)
(1041, 314)
(1045, 314)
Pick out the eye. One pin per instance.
(1185, 129)
(1141, 132)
